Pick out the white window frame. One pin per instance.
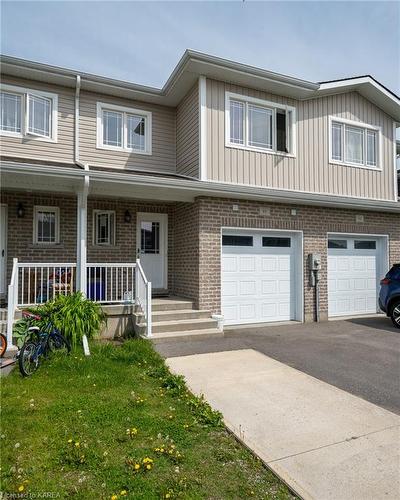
(111, 230)
(365, 127)
(24, 92)
(273, 106)
(42, 208)
(147, 115)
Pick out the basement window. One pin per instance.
(259, 125)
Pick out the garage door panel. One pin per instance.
(352, 280)
(264, 283)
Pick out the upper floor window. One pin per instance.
(123, 129)
(259, 125)
(28, 113)
(354, 143)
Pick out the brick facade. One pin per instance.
(315, 222)
(194, 229)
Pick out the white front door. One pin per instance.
(258, 276)
(152, 244)
(355, 265)
(3, 243)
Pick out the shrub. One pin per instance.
(74, 315)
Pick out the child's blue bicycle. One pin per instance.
(41, 342)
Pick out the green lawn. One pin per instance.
(118, 425)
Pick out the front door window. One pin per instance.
(150, 237)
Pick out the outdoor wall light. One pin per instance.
(127, 216)
(20, 211)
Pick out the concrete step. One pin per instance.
(178, 315)
(3, 327)
(3, 314)
(189, 334)
(170, 304)
(183, 325)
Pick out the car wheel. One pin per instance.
(395, 314)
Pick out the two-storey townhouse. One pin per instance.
(223, 182)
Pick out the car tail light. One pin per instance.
(385, 281)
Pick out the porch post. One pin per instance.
(81, 237)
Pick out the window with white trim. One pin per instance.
(104, 227)
(259, 125)
(46, 222)
(28, 113)
(123, 129)
(355, 144)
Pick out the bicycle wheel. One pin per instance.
(59, 343)
(28, 360)
(3, 345)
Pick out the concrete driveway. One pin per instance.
(360, 356)
(302, 397)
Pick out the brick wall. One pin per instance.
(315, 222)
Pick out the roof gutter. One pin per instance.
(211, 189)
(85, 166)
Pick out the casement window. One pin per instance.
(46, 225)
(259, 125)
(123, 129)
(28, 113)
(354, 144)
(104, 227)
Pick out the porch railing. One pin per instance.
(110, 283)
(143, 296)
(40, 282)
(107, 283)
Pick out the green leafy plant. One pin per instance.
(74, 315)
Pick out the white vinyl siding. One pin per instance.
(104, 227)
(354, 144)
(25, 112)
(11, 110)
(252, 124)
(123, 129)
(46, 225)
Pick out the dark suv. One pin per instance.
(389, 296)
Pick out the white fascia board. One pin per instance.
(200, 188)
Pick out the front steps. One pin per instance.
(174, 317)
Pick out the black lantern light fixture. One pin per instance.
(20, 210)
(127, 216)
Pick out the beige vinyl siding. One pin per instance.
(187, 134)
(27, 147)
(310, 170)
(163, 157)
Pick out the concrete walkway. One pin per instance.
(322, 441)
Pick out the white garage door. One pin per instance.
(258, 277)
(354, 266)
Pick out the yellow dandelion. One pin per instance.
(114, 497)
(21, 488)
(69, 440)
(167, 495)
(137, 466)
(148, 466)
(123, 493)
(77, 444)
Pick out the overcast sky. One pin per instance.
(142, 41)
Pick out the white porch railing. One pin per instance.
(107, 283)
(110, 283)
(143, 296)
(40, 282)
